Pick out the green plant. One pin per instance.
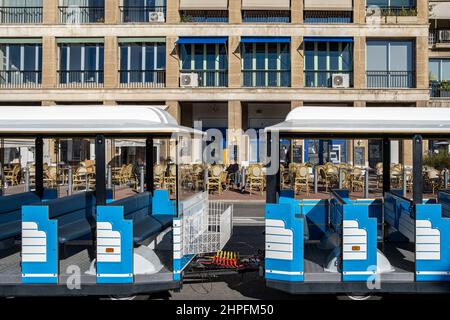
(440, 160)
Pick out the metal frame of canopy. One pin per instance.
(299, 127)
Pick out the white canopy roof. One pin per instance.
(347, 120)
(89, 120)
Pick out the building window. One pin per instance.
(327, 16)
(21, 65)
(324, 60)
(81, 64)
(440, 78)
(82, 11)
(266, 64)
(21, 11)
(393, 7)
(143, 64)
(390, 64)
(208, 61)
(144, 11)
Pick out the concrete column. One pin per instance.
(297, 61)
(172, 63)
(111, 64)
(235, 134)
(359, 63)
(173, 11)
(48, 103)
(422, 81)
(407, 152)
(234, 11)
(422, 11)
(296, 104)
(50, 11)
(234, 62)
(112, 12)
(110, 102)
(296, 11)
(49, 62)
(359, 11)
(174, 109)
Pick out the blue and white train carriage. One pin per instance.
(90, 242)
(342, 244)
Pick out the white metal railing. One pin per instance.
(206, 225)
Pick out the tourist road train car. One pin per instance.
(359, 245)
(59, 240)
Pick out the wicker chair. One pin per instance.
(12, 176)
(51, 176)
(357, 180)
(256, 179)
(158, 176)
(301, 180)
(215, 179)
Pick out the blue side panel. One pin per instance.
(359, 243)
(180, 261)
(284, 243)
(375, 211)
(162, 205)
(39, 246)
(50, 194)
(114, 246)
(316, 213)
(432, 243)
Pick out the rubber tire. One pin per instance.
(360, 297)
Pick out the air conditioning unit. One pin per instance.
(340, 80)
(188, 80)
(156, 17)
(444, 35)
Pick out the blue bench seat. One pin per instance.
(138, 209)
(165, 219)
(11, 213)
(75, 215)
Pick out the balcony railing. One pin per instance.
(80, 79)
(262, 16)
(440, 89)
(81, 15)
(20, 79)
(392, 11)
(439, 36)
(325, 17)
(205, 16)
(266, 78)
(210, 78)
(324, 79)
(143, 14)
(142, 78)
(390, 79)
(20, 15)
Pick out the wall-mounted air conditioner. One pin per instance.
(340, 80)
(188, 80)
(156, 17)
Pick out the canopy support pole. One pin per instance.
(39, 166)
(100, 170)
(273, 180)
(149, 161)
(417, 169)
(386, 165)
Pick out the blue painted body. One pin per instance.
(111, 218)
(433, 240)
(285, 263)
(162, 205)
(43, 271)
